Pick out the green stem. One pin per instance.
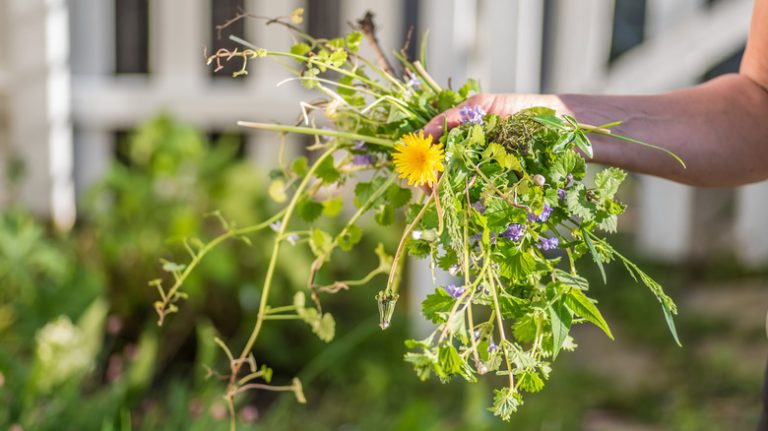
(606, 132)
(273, 263)
(318, 132)
(199, 255)
(282, 317)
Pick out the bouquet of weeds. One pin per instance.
(500, 203)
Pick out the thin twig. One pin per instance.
(368, 28)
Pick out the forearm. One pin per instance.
(720, 130)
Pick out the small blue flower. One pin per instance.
(472, 115)
(561, 193)
(476, 334)
(360, 146)
(514, 232)
(568, 180)
(292, 238)
(276, 226)
(414, 82)
(531, 217)
(546, 244)
(454, 291)
(363, 160)
(492, 347)
(479, 206)
(545, 213)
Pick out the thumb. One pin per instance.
(450, 118)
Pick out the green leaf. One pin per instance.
(550, 121)
(583, 307)
(452, 364)
(570, 162)
(560, 319)
(578, 205)
(308, 209)
(607, 182)
(563, 141)
(437, 305)
(572, 280)
(471, 86)
(338, 57)
(325, 327)
(423, 363)
(277, 190)
(364, 191)
(516, 266)
(320, 242)
(530, 381)
(327, 172)
(582, 143)
(671, 324)
(300, 49)
(397, 196)
(332, 207)
(505, 403)
(385, 216)
(447, 99)
(593, 252)
(353, 41)
(350, 237)
(300, 166)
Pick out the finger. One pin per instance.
(451, 118)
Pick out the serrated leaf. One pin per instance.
(560, 320)
(353, 41)
(583, 307)
(607, 182)
(578, 205)
(453, 364)
(608, 223)
(569, 162)
(530, 381)
(437, 305)
(505, 403)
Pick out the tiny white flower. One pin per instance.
(417, 234)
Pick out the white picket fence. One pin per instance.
(61, 123)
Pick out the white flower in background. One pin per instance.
(60, 353)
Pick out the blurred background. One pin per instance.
(116, 139)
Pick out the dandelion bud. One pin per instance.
(386, 301)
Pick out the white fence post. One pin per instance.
(39, 105)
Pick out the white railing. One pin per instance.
(498, 41)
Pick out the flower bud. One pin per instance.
(539, 180)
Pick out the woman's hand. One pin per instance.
(499, 104)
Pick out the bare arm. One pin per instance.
(719, 128)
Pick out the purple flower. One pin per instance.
(561, 193)
(546, 244)
(292, 238)
(531, 217)
(545, 213)
(360, 146)
(476, 334)
(472, 115)
(454, 291)
(276, 226)
(362, 160)
(326, 138)
(479, 206)
(492, 347)
(414, 82)
(514, 232)
(568, 180)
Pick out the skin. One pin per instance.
(719, 128)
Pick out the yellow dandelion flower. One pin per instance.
(418, 160)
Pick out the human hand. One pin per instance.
(490, 103)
